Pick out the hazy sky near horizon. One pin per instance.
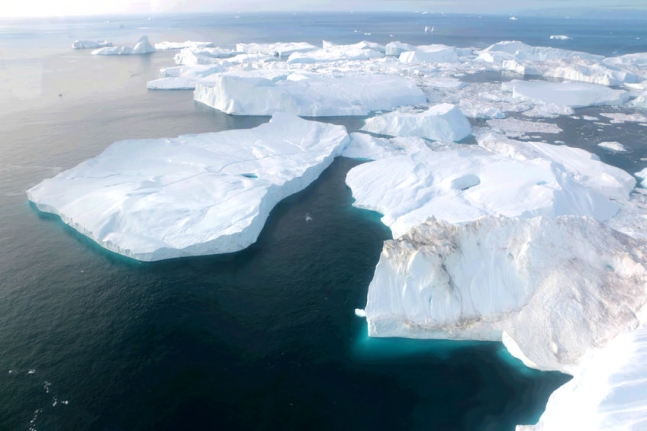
(59, 8)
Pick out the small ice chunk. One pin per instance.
(360, 312)
(613, 146)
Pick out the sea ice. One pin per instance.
(573, 94)
(338, 53)
(143, 46)
(281, 49)
(90, 44)
(512, 280)
(442, 122)
(192, 195)
(309, 95)
(182, 77)
(513, 127)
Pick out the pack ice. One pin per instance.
(143, 46)
(192, 195)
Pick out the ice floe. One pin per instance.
(444, 122)
(192, 195)
(310, 95)
(143, 46)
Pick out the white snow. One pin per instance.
(550, 288)
(460, 183)
(613, 146)
(192, 195)
(573, 94)
(444, 122)
(310, 95)
(90, 44)
(143, 46)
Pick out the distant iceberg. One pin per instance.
(309, 95)
(559, 37)
(143, 46)
(90, 44)
(193, 195)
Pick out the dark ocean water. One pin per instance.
(262, 339)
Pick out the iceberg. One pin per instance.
(436, 53)
(202, 56)
(143, 46)
(309, 95)
(616, 147)
(573, 94)
(643, 176)
(193, 195)
(608, 392)
(559, 37)
(444, 122)
(511, 280)
(90, 44)
(335, 53)
(396, 48)
(500, 177)
(182, 77)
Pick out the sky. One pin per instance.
(61, 8)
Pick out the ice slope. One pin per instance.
(512, 280)
(443, 122)
(143, 46)
(310, 95)
(192, 195)
(607, 393)
(460, 183)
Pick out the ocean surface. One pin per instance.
(262, 339)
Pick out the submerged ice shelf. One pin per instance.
(192, 195)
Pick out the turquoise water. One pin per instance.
(261, 339)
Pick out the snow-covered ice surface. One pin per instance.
(90, 44)
(307, 95)
(192, 195)
(459, 183)
(512, 280)
(442, 122)
(143, 46)
(608, 392)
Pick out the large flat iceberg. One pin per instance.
(192, 195)
(309, 95)
(573, 94)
